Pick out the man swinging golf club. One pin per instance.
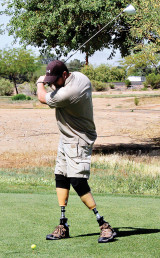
(74, 113)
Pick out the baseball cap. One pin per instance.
(54, 70)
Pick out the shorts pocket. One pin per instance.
(71, 149)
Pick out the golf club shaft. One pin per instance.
(93, 36)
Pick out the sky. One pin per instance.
(100, 57)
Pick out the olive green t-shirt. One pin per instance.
(74, 109)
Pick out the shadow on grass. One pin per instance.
(128, 231)
(135, 231)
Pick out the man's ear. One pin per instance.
(65, 75)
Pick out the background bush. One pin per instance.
(111, 85)
(127, 83)
(21, 97)
(88, 70)
(99, 86)
(104, 73)
(6, 87)
(153, 80)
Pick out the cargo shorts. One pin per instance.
(73, 159)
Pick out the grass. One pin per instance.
(156, 95)
(109, 174)
(27, 218)
(121, 185)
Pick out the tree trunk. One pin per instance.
(86, 58)
(14, 82)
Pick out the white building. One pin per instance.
(136, 78)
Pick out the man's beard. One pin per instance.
(58, 86)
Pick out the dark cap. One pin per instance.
(54, 70)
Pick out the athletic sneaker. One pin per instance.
(107, 233)
(60, 232)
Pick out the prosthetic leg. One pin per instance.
(62, 189)
(82, 188)
(62, 195)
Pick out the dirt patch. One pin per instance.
(29, 134)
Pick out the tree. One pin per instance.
(146, 22)
(75, 65)
(146, 56)
(17, 62)
(146, 27)
(46, 57)
(65, 25)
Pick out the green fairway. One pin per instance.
(26, 219)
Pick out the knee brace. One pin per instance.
(82, 188)
(80, 185)
(62, 182)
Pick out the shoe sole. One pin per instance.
(106, 240)
(55, 238)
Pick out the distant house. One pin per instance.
(136, 78)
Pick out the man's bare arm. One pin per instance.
(41, 91)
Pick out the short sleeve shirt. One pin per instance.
(74, 109)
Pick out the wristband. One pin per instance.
(39, 82)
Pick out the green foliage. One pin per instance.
(102, 73)
(41, 70)
(65, 26)
(127, 83)
(145, 84)
(17, 62)
(89, 71)
(117, 74)
(144, 88)
(145, 56)
(111, 85)
(136, 101)
(106, 73)
(21, 97)
(145, 24)
(153, 80)
(98, 85)
(47, 57)
(75, 65)
(6, 87)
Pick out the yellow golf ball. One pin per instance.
(33, 246)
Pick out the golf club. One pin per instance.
(129, 10)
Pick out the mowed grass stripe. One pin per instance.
(27, 218)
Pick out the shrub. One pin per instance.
(102, 73)
(144, 89)
(153, 80)
(117, 74)
(6, 87)
(111, 85)
(21, 97)
(127, 83)
(145, 84)
(136, 101)
(88, 70)
(99, 86)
